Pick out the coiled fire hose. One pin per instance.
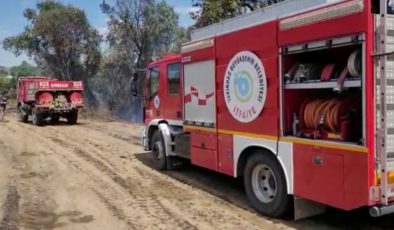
(354, 63)
(326, 113)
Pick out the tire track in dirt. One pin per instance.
(151, 205)
(11, 207)
(36, 202)
(157, 180)
(158, 205)
(11, 203)
(101, 187)
(168, 188)
(123, 182)
(85, 142)
(120, 136)
(78, 167)
(236, 199)
(115, 210)
(148, 204)
(163, 202)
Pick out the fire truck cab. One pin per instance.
(297, 98)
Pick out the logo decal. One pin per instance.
(202, 99)
(59, 85)
(156, 102)
(245, 86)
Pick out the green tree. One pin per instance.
(112, 81)
(182, 36)
(60, 39)
(5, 85)
(213, 11)
(3, 71)
(139, 31)
(142, 30)
(25, 69)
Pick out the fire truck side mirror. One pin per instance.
(134, 85)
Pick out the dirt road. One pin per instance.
(94, 175)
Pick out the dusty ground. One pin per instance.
(94, 175)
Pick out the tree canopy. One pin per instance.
(142, 30)
(3, 71)
(139, 31)
(60, 39)
(213, 11)
(25, 69)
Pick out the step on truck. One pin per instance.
(46, 97)
(296, 98)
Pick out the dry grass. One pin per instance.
(99, 114)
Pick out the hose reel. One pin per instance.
(328, 118)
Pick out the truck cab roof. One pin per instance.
(167, 58)
(37, 78)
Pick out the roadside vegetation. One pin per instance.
(9, 76)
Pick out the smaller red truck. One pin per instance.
(45, 97)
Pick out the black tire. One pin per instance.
(72, 117)
(37, 117)
(159, 156)
(23, 117)
(55, 118)
(277, 205)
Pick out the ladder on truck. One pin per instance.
(385, 100)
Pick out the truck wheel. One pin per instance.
(37, 118)
(265, 185)
(72, 117)
(22, 116)
(158, 151)
(55, 118)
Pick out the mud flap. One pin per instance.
(306, 208)
(175, 163)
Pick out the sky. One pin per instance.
(12, 21)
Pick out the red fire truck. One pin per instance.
(296, 98)
(45, 97)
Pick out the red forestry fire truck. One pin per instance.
(297, 98)
(45, 97)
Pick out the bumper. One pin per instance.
(377, 211)
(52, 109)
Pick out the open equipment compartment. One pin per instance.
(322, 84)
